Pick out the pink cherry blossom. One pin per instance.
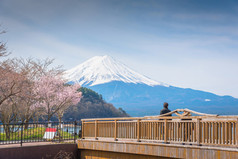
(54, 95)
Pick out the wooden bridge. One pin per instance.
(181, 136)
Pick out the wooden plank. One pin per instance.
(150, 130)
(193, 133)
(156, 131)
(189, 132)
(215, 138)
(96, 129)
(220, 133)
(126, 130)
(182, 132)
(159, 131)
(168, 131)
(172, 131)
(210, 132)
(115, 130)
(207, 132)
(106, 130)
(153, 131)
(204, 132)
(173, 134)
(138, 130)
(129, 130)
(82, 127)
(234, 133)
(179, 134)
(134, 130)
(198, 132)
(185, 132)
(217, 129)
(176, 131)
(165, 130)
(141, 130)
(223, 133)
(226, 133)
(230, 133)
(236, 138)
(213, 133)
(145, 129)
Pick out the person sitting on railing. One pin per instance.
(165, 110)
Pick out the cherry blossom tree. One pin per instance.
(33, 70)
(55, 96)
(17, 83)
(71, 97)
(3, 50)
(11, 85)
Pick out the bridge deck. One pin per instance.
(148, 148)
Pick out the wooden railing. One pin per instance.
(195, 130)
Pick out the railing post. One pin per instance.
(115, 131)
(21, 132)
(138, 130)
(96, 129)
(198, 133)
(237, 132)
(165, 130)
(82, 130)
(75, 126)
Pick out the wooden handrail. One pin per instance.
(187, 112)
(159, 117)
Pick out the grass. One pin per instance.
(65, 135)
(33, 134)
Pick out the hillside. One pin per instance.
(92, 105)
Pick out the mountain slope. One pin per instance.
(141, 99)
(104, 69)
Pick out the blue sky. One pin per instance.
(189, 44)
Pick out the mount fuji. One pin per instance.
(105, 69)
(139, 95)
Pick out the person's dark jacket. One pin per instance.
(164, 111)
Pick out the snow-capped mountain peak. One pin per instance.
(104, 69)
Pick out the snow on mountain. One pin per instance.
(104, 69)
